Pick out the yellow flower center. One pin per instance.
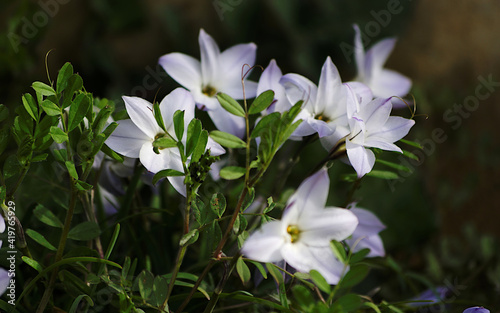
(209, 91)
(294, 232)
(322, 117)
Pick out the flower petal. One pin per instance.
(373, 242)
(127, 139)
(4, 280)
(394, 129)
(362, 160)
(387, 83)
(227, 122)
(141, 113)
(331, 95)
(177, 181)
(264, 245)
(183, 68)
(477, 309)
(304, 259)
(376, 57)
(154, 162)
(375, 113)
(359, 52)
(215, 148)
(319, 227)
(236, 90)
(210, 53)
(234, 62)
(297, 88)
(369, 224)
(179, 99)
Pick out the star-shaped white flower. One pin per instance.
(325, 106)
(217, 72)
(383, 82)
(302, 237)
(134, 138)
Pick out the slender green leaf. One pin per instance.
(412, 143)
(200, 147)
(320, 281)
(71, 169)
(189, 238)
(30, 106)
(230, 105)
(193, 135)
(84, 231)
(165, 173)
(58, 134)
(43, 89)
(383, 174)
(410, 155)
(243, 271)
(76, 303)
(339, 251)
(50, 108)
(47, 217)
(77, 110)
(34, 264)
(74, 84)
(164, 143)
(262, 102)
(232, 172)
(227, 140)
(396, 166)
(179, 124)
(40, 239)
(62, 78)
(158, 116)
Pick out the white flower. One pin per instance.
(270, 80)
(325, 106)
(134, 138)
(217, 72)
(383, 82)
(366, 234)
(302, 237)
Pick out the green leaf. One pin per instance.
(262, 102)
(348, 303)
(359, 256)
(200, 147)
(84, 231)
(230, 105)
(396, 166)
(179, 124)
(193, 135)
(339, 251)
(11, 166)
(62, 78)
(75, 83)
(261, 268)
(320, 281)
(227, 140)
(303, 297)
(158, 116)
(165, 173)
(112, 154)
(412, 143)
(275, 273)
(265, 124)
(383, 174)
(4, 112)
(232, 172)
(218, 204)
(40, 239)
(83, 186)
(40, 157)
(410, 155)
(189, 238)
(145, 282)
(47, 217)
(34, 264)
(101, 120)
(77, 110)
(160, 290)
(43, 89)
(355, 275)
(164, 143)
(30, 106)
(50, 108)
(76, 303)
(71, 169)
(243, 271)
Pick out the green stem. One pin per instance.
(60, 250)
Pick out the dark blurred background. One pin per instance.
(439, 218)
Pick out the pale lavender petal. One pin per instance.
(318, 228)
(329, 142)
(375, 113)
(264, 245)
(141, 113)
(270, 79)
(297, 88)
(227, 122)
(304, 259)
(361, 159)
(127, 139)
(394, 129)
(368, 228)
(236, 90)
(215, 148)
(363, 92)
(304, 128)
(311, 195)
(321, 127)
(380, 144)
(232, 64)
(373, 242)
(210, 53)
(388, 83)
(477, 309)
(377, 55)
(154, 162)
(179, 99)
(331, 94)
(359, 52)
(4, 280)
(183, 68)
(204, 102)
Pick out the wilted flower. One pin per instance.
(217, 72)
(134, 138)
(302, 237)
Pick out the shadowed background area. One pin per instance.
(442, 219)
